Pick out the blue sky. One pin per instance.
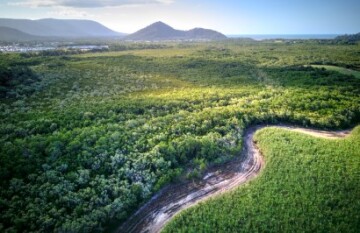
(229, 17)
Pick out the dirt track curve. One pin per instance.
(152, 216)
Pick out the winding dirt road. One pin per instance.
(173, 198)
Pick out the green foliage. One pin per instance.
(15, 80)
(308, 185)
(348, 39)
(339, 69)
(101, 132)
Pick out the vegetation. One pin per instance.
(15, 77)
(348, 39)
(339, 69)
(100, 133)
(308, 185)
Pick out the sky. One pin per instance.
(231, 17)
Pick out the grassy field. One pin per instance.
(86, 139)
(339, 69)
(308, 185)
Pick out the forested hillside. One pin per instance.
(86, 139)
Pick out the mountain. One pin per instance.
(10, 34)
(65, 28)
(162, 31)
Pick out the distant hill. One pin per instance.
(60, 28)
(11, 34)
(162, 31)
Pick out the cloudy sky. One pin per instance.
(227, 16)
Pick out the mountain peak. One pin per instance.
(162, 31)
(160, 25)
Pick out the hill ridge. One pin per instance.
(65, 28)
(162, 31)
(11, 34)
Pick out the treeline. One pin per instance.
(348, 39)
(136, 46)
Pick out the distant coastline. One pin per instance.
(285, 36)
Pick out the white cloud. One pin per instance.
(69, 12)
(86, 3)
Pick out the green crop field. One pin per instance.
(308, 185)
(86, 139)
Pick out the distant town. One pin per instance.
(23, 48)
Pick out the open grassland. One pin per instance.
(308, 185)
(86, 139)
(339, 69)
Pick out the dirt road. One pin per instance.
(172, 199)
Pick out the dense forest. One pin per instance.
(85, 139)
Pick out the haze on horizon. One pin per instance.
(230, 17)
